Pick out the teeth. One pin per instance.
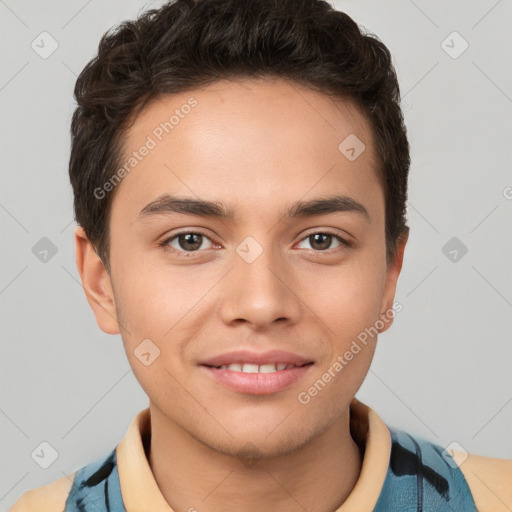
(268, 368)
(254, 368)
(250, 368)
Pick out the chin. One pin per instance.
(259, 444)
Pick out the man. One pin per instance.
(240, 179)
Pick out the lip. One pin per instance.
(257, 383)
(259, 358)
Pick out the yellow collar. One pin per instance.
(141, 493)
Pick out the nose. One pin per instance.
(260, 292)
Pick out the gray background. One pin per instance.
(442, 371)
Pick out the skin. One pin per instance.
(256, 146)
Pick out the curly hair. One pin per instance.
(187, 44)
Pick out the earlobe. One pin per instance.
(387, 313)
(96, 283)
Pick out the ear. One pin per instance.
(393, 271)
(96, 283)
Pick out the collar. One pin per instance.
(139, 487)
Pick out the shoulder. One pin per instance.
(423, 473)
(48, 498)
(490, 480)
(69, 492)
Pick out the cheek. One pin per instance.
(153, 297)
(346, 299)
(160, 306)
(349, 307)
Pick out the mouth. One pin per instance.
(257, 379)
(255, 368)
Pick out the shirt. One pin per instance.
(388, 459)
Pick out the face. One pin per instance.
(253, 278)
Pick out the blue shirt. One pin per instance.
(421, 477)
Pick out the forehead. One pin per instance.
(246, 141)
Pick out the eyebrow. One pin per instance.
(167, 204)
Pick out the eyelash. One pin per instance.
(183, 254)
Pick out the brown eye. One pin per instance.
(322, 241)
(188, 241)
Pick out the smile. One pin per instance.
(254, 368)
(253, 379)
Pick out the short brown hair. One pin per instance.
(186, 44)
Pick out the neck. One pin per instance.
(318, 477)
